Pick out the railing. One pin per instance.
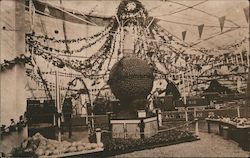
(201, 114)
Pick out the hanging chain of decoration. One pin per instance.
(69, 41)
(9, 64)
(90, 66)
(30, 40)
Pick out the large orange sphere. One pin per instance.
(131, 79)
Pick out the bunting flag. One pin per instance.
(200, 28)
(246, 11)
(222, 21)
(184, 35)
(46, 10)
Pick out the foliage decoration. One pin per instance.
(69, 41)
(9, 64)
(164, 52)
(132, 12)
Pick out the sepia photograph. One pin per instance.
(124, 78)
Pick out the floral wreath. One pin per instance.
(132, 12)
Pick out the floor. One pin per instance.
(210, 145)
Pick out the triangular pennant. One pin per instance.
(184, 35)
(246, 11)
(46, 10)
(222, 21)
(200, 28)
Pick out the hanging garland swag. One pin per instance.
(9, 64)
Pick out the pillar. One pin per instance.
(247, 105)
(196, 127)
(238, 111)
(159, 117)
(98, 135)
(142, 126)
(208, 127)
(109, 118)
(12, 81)
(186, 114)
(12, 44)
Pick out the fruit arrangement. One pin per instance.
(41, 146)
(241, 121)
(131, 79)
(214, 116)
(235, 121)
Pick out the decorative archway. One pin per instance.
(79, 91)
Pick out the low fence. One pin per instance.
(176, 117)
(201, 114)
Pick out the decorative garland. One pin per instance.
(68, 41)
(81, 91)
(191, 60)
(41, 46)
(87, 67)
(9, 64)
(38, 45)
(159, 55)
(156, 45)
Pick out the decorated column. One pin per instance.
(12, 45)
(247, 105)
(12, 75)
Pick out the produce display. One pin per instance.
(41, 146)
(131, 79)
(240, 122)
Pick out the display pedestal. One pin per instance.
(134, 128)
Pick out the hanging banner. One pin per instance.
(200, 28)
(246, 11)
(222, 21)
(184, 35)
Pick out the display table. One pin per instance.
(238, 133)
